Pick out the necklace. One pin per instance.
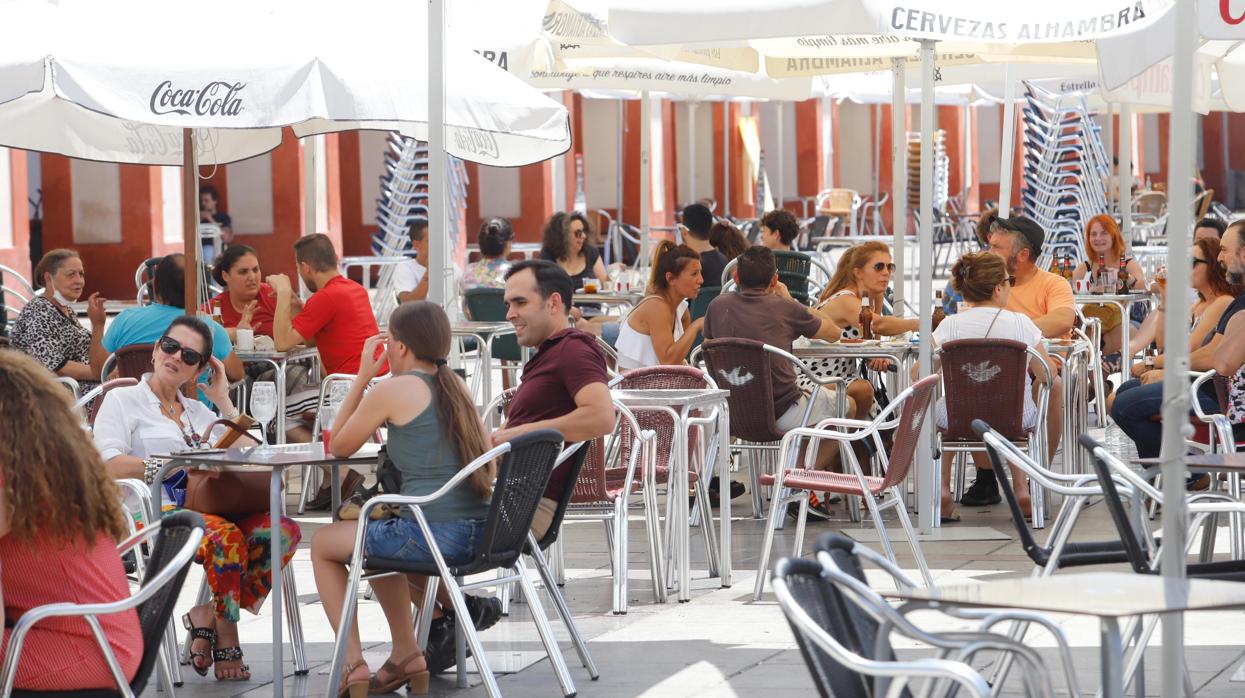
(189, 435)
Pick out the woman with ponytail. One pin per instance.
(659, 330)
(434, 430)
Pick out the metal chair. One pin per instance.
(310, 474)
(95, 396)
(489, 304)
(911, 407)
(841, 664)
(736, 364)
(526, 463)
(874, 618)
(987, 378)
(176, 540)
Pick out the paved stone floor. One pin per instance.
(719, 644)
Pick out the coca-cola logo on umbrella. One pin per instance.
(219, 98)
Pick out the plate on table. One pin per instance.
(861, 342)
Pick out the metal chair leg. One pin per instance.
(294, 623)
(564, 612)
(546, 632)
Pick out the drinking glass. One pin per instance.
(264, 405)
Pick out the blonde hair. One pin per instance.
(854, 258)
(54, 480)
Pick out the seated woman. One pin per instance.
(247, 302)
(982, 279)
(779, 229)
(434, 430)
(861, 277)
(48, 329)
(1105, 245)
(729, 241)
(1135, 405)
(154, 417)
(60, 522)
(565, 243)
(659, 330)
(495, 238)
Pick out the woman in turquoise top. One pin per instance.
(434, 430)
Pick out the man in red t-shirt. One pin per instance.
(337, 319)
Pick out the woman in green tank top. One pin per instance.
(434, 430)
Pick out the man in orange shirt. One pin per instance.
(1047, 300)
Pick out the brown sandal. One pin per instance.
(416, 681)
(352, 689)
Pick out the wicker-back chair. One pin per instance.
(130, 361)
(986, 379)
(794, 269)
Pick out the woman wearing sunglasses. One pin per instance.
(154, 417)
(566, 243)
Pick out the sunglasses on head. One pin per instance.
(1011, 281)
(888, 266)
(172, 347)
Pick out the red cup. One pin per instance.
(326, 436)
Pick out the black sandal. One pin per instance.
(200, 634)
(231, 654)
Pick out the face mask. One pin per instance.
(60, 298)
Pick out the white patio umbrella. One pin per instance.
(139, 101)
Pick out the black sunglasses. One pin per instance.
(888, 266)
(190, 357)
(1197, 261)
(1011, 281)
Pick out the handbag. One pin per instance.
(227, 492)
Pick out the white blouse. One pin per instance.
(130, 423)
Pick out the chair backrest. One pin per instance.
(153, 614)
(521, 480)
(1119, 513)
(799, 584)
(134, 360)
(662, 378)
(489, 304)
(743, 367)
(841, 550)
(700, 304)
(1221, 391)
(793, 270)
(916, 400)
(984, 379)
(104, 389)
(575, 464)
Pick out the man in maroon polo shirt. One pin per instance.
(565, 386)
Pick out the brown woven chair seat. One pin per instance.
(825, 481)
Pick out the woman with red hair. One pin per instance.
(1105, 246)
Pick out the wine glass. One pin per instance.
(264, 405)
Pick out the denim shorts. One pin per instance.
(402, 539)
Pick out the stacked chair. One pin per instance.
(1066, 169)
(404, 197)
(950, 240)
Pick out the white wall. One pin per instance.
(96, 202)
(602, 168)
(989, 143)
(1150, 136)
(499, 191)
(250, 196)
(855, 146)
(780, 158)
(171, 203)
(6, 200)
(704, 161)
(372, 145)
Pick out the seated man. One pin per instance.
(1210, 228)
(564, 387)
(762, 310)
(209, 212)
(146, 324)
(1229, 356)
(1047, 300)
(1137, 411)
(698, 222)
(410, 278)
(337, 318)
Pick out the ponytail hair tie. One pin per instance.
(440, 362)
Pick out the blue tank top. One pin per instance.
(425, 455)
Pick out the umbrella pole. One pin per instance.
(438, 236)
(691, 197)
(925, 474)
(1108, 138)
(1009, 142)
(190, 218)
(1175, 380)
(726, 159)
(1125, 194)
(899, 198)
(646, 176)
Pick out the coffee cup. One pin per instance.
(244, 340)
